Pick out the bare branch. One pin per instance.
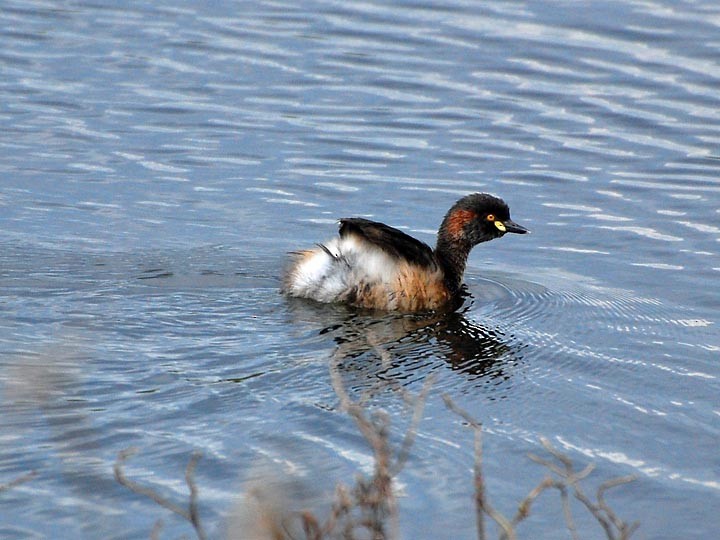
(480, 503)
(562, 458)
(374, 497)
(450, 404)
(523, 510)
(614, 527)
(193, 511)
(156, 530)
(482, 506)
(623, 528)
(569, 521)
(191, 514)
(547, 464)
(123, 456)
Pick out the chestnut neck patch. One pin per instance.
(457, 220)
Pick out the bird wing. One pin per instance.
(391, 240)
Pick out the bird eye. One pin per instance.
(490, 217)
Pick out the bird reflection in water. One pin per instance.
(409, 347)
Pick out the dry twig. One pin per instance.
(156, 530)
(482, 505)
(614, 527)
(374, 498)
(191, 514)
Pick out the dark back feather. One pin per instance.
(391, 240)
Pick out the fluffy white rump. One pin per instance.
(325, 278)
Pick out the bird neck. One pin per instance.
(452, 256)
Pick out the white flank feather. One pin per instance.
(324, 277)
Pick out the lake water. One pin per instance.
(157, 161)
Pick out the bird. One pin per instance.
(372, 265)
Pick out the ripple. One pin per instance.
(138, 136)
(562, 319)
(646, 232)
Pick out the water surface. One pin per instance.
(157, 162)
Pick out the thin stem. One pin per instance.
(191, 514)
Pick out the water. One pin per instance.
(158, 161)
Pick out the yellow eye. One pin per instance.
(490, 217)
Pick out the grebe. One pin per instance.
(375, 266)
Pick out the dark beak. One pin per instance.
(511, 226)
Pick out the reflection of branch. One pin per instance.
(418, 403)
(19, 480)
(615, 528)
(190, 514)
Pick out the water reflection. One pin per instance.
(408, 347)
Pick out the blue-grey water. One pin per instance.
(157, 161)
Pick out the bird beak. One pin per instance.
(510, 226)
